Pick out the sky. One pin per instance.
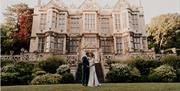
(152, 8)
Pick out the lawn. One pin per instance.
(104, 87)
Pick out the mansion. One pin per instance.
(60, 29)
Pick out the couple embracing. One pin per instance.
(89, 76)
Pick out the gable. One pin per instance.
(120, 4)
(89, 5)
(56, 3)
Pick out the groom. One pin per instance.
(85, 69)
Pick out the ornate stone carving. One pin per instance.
(72, 59)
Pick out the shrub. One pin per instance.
(54, 79)
(25, 72)
(79, 73)
(67, 78)
(40, 73)
(118, 73)
(51, 64)
(144, 66)
(37, 71)
(46, 79)
(6, 62)
(113, 61)
(36, 68)
(135, 74)
(178, 52)
(178, 74)
(24, 67)
(9, 68)
(112, 76)
(9, 78)
(119, 61)
(63, 69)
(171, 60)
(163, 73)
(21, 72)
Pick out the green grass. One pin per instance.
(104, 87)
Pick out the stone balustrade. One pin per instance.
(34, 57)
(73, 60)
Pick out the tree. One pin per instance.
(22, 36)
(7, 41)
(164, 31)
(17, 25)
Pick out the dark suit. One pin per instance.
(85, 70)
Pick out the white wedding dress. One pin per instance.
(93, 80)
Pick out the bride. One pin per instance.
(93, 80)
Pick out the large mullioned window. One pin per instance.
(41, 44)
(119, 45)
(136, 43)
(60, 45)
(75, 24)
(62, 22)
(117, 22)
(106, 46)
(90, 22)
(135, 22)
(54, 20)
(56, 44)
(43, 21)
(73, 46)
(105, 25)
